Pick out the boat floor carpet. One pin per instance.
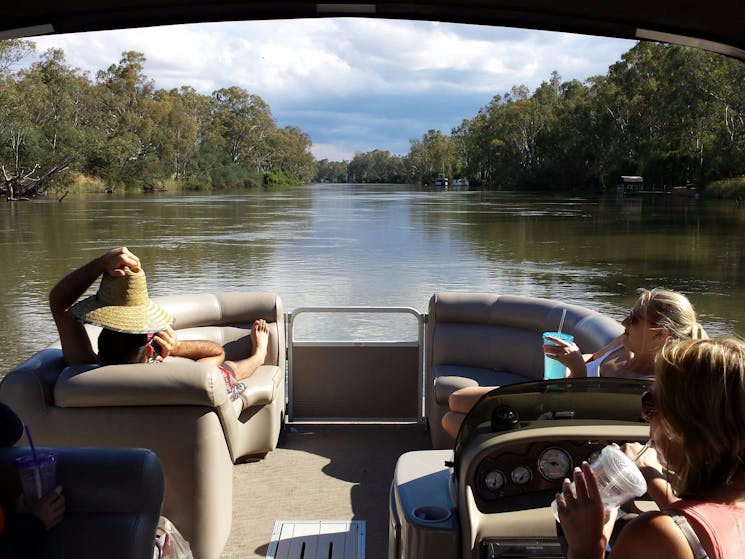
(326, 472)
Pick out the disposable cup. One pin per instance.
(552, 368)
(38, 475)
(618, 478)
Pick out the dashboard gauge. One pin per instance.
(554, 463)
(494, 480)
(521, 475)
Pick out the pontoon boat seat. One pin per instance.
(482, 339)
(113, 502)
(179, 408)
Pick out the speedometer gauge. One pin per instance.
(554, 463)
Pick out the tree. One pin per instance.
(240, 126)
(127, 148)
(42, 136)
(176, 132)
(290, 154)
(12, 52)
(331, 171)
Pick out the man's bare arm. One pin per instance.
(76, 346)
(203, 351)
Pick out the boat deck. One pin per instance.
(326, 472)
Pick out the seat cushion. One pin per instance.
(260, 387)
(449, 378)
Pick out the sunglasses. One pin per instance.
(649, 406)
(635, 316)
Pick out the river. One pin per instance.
(378, 245)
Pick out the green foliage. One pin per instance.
(376, 166)
(730, 189)
(672, 114)
(55, 123)
(279, 177)
(331, 171)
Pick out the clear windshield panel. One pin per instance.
(586, 399)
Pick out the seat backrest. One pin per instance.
(503, 332)
(226, 318)
(113, 501)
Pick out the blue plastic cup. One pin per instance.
(552, 368)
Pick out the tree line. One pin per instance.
(56, 125)
(674, 115)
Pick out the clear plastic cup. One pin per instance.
(618, 477)
(553, 369)
(38, 475)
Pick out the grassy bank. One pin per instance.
(88, 185)
(728, 189)
(83, 184)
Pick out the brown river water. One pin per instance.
(379, 245)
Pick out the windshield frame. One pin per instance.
(586, 399)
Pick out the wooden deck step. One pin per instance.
(317, 539)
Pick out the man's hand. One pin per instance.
(168, 343)
(114, 261)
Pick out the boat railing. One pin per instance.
(355, 380)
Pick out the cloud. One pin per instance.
(331, 152)
(351, 84)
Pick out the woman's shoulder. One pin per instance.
(652, 535)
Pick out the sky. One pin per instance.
(352, 84)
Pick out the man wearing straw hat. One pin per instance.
(135, 329)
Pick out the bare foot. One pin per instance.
(260, 338)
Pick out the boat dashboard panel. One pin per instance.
(528, 474)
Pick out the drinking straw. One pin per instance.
(37, 473)
(561, 322)
(30, 442)
(644, 449)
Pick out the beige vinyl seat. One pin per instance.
(180, 409)
(113, 502)
(484, 339)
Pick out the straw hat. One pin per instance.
(122, 304)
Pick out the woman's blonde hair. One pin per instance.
(673, 311)
(700, 392)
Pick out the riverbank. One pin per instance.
(727, 189)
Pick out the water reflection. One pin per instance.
(377, 245)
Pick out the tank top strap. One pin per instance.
(698, 550)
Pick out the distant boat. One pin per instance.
(460, 183)
(631, 184)
(440, 180)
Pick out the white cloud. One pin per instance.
(332, 152)
(296, 65)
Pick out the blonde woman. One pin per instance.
(697, 425)
(658, 315)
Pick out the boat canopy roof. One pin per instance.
(631, 179)
(714, 25)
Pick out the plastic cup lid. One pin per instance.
(623, 470)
